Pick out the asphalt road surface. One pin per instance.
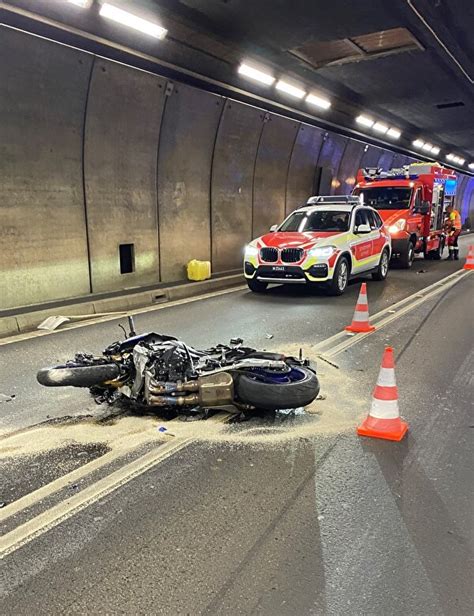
(286, 514)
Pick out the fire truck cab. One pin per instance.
(411, 201)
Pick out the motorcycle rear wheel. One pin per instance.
(275, 396)
(77, 376)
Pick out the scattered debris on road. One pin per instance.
(6, 397)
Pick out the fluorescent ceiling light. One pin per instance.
(471, 165)
(289, 89)
(82, 3)
(427, 147)
(418, 143)
(435, 150)
(253, 73)
(450, 157)
(364, 120)
(461, 161)
(380, 127)
(132, 21)
(312, 99)
(394, 133)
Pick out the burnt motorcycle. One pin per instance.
(157, 370)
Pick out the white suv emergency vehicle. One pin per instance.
(328, 240)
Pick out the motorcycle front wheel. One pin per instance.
(272, 390)
(77, 376)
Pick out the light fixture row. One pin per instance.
(426, 146)
(267, 79)
(114, 13)
(455, 159)
(153, 29)
(379, 127)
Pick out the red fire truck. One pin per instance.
(411, 202)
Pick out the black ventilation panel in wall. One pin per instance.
(450, 105)
(127, 258)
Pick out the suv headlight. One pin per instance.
(398, 226)
(322, 251)
(251, 251)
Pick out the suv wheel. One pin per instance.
(382, 268)
(339, 281)
(256, 286)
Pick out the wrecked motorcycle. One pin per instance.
(156, 370)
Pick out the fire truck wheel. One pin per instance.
(382, 269)
(407, 256)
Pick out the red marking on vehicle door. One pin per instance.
(378, 243)
(363, 249)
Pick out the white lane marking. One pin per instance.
(53, 516)
(33, 528)
(61, 482)
(418, 301)
(62, 511)
(393, 310)
(119, 315)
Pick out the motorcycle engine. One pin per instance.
(171, 365)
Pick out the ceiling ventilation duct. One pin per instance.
(365, 47)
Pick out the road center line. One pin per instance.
(69, 507)
(329, 346)
(62, 511)
(50, 518)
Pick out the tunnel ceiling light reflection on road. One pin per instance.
(132, 21)
(313, 99)
(286, 87)
(257, 75)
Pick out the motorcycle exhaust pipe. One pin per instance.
(161, 387)
(211, 391)
(193, 399)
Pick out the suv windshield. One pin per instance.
(317, 221)
(387, 198)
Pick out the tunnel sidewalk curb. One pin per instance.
(24, 322)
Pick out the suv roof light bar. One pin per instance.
(333, 199)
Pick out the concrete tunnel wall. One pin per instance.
(94, 154)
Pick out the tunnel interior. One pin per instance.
(114, 177)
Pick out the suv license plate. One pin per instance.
(278, 268)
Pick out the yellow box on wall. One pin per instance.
(199, 270)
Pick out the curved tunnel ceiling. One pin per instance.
(409, 63)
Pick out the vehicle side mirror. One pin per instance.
(424, 208)
(363, 229)
(273, 228)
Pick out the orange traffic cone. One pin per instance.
(470, 259)
(384, 420)
(360, 320)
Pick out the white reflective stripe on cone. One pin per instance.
(362, 299)
(386, 377)
(360, 316)
(384, 409)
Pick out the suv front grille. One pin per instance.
(269, 255)
(291, 255)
